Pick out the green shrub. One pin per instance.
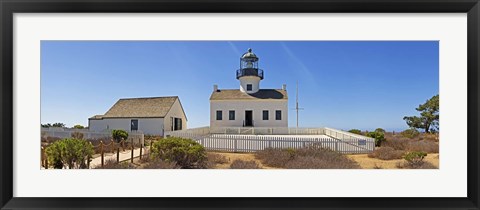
(355, 131)
(54, 155)
(118, 135)
(186, 153)
(378, 136)
(415, 160)
(69, 152)
(410, 133)
(415, 156)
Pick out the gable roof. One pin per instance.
(236, 94)
(155, 107)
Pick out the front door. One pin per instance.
(248, 118)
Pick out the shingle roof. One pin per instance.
(140, 107)
(236, 94)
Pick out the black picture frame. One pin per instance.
(10, 7)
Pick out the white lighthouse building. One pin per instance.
(249, 106)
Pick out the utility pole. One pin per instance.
(297, 108)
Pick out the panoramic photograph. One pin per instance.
(239, 105)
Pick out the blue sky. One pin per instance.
(342, 84)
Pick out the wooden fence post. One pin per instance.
(131, 158)
(88, 162)
(113, 146)
(43, 156)
(118, 154)
(46, 163)
(141, 147)
(101, 151)
(123, 144)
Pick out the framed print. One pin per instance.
(239, 105)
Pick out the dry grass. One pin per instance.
(242, 164)
(160, 164)
(387, 153)
(112, 164)
(236, 156)
(305, 158)
(366, 162)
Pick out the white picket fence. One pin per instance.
(240, 140)
(67, 133)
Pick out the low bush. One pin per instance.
(161, 164)
(312, 157)
(410, 133)
(415, 160)
(397, 144)
(69, 152)
(216, 158)
(118, 135)
(77, 135)
(242, 164)
(274, 157)
(49, 139)
(185, 152)
(424, 146)
(112, 164)
(386, 153)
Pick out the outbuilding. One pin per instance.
(151, 116)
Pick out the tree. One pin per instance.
(78, 127)
(355, 131)
(380, 130)
(48, 125)
(60, 125)
(429, 116)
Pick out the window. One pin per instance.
(278, 115)
(134, 125)
(249, 87)
(231, 115)
(219, 115)
(178, 124)
(265, 114)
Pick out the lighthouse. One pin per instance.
(249, 105)
(249, 74)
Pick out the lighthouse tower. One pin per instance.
(249, 74)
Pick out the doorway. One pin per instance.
(248, 118)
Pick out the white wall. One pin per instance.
(152, 126)
(257, 106)
(177, 112)
(253, 80)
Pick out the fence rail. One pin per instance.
(254, 139)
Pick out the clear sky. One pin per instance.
(342, 84)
